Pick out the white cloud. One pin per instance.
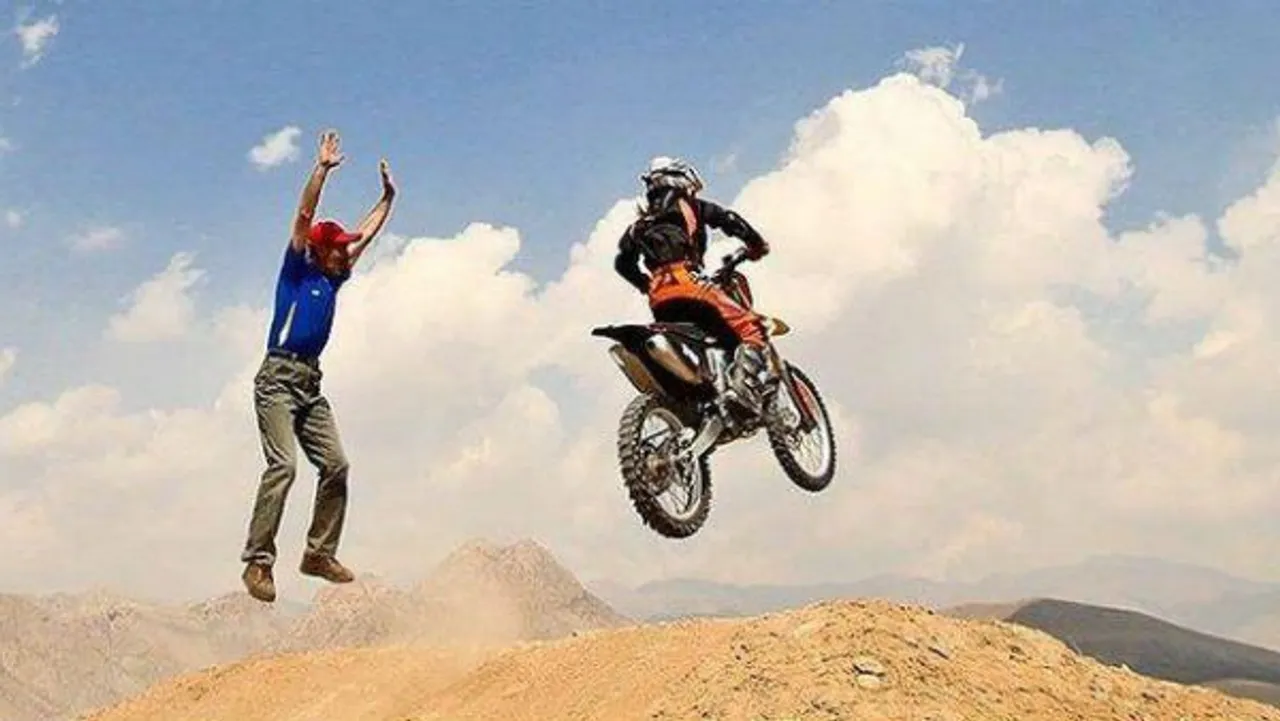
(1254, 221)
(725, 164)
(161, 307)
(8, 358)
(939, 65)
(35, 37)
(981, 87)
(14, 218)
(98, 239)
(276, 148)
(992, 353)
(935, 65)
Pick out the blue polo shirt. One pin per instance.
(305, 301)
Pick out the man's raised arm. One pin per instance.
(328, 158)
(377, 216)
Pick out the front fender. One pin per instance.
(775, 326)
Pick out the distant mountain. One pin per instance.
(504, 593)
(1146, 644)
(63, 653)
(481, 593)
(1252, 617)
(1152, 585)
(365, 612)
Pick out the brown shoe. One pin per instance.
(326, 567)
(257, 579)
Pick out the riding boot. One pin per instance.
(751, 376)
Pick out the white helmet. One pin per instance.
(667, 172)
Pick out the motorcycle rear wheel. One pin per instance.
(648, 472)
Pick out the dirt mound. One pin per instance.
(350, 684)
(864, 659)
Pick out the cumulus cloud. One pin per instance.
(98, 239)
(161, 307)
(1013, 384)
(14, 218)
(1253, 222)
(35, 37)
(276, 148)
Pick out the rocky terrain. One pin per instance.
(65, 654)
(837, 660)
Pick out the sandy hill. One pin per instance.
(836, 660)
(63, 654)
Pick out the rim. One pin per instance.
(678, 487)
(811, 449)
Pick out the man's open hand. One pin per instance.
(388, 186)
(330, 154)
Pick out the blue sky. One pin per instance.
(538, 115)
(934, 314)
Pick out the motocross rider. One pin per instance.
(670, 234)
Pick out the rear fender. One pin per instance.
(631, 336)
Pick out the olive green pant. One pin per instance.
(289, 405)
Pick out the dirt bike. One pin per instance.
(681, 373)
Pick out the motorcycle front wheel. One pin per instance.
(808, 457)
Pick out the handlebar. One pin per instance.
(730, 262)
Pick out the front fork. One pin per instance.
(808, 414)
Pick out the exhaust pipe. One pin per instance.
(661, 350)
(634, 369)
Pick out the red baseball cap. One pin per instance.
(330, 232)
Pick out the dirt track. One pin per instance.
(864, 660)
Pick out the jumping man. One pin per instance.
(287, 394)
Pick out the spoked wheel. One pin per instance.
(672, 497)
(807, 455)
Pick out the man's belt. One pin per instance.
(290, 355)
